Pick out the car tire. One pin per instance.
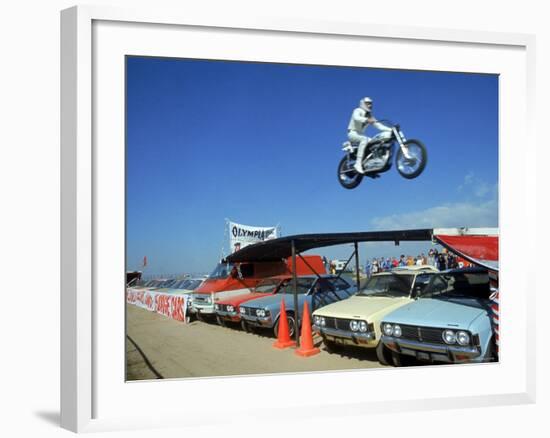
(245, 327)
(400, 360)
(384, 354)
(220, 321)
(331, 346)
(491, 355)
(291, 325)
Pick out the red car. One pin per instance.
(228, 310)
(232, 280)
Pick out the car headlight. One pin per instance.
(317, 320)
(396, 331)
(230, 308)
(354, 325)
(363, 326)
(463, 338)
(242, 310)
(323, 322)
(449, 336)
(260, 312)
(387, 328)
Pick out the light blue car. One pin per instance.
(317, 291)
(451, 322)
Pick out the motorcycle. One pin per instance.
(411, 157)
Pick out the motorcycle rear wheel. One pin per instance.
(410, 169)
(348, 178)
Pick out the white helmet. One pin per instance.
(366, 104)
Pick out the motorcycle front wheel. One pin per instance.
(347, 175)
(413, 167)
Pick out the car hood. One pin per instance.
(244, 298)
(174, 291)
(430, 312)
(361, 307)
(274, 301)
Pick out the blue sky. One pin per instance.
(259, 144)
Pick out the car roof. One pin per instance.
(320, 275)
(414, 269)
(469, 270)
(278, 277)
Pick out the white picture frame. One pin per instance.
(88, 394)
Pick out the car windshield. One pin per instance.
(303, 285)
(221, 271)
(267, 286)
(459, 284)
(193, 284)
(154, 283)
(168, 283)
(180, 284)
(390, 285)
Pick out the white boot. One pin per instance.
(358, 164)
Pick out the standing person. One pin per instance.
(326, 264)
(402, 261)
(375, 268)
(368, 268)
(431, 257)
(360, 119)
(441, 262)
(451, 261)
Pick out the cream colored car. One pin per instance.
(356, 321)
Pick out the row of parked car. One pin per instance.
(416, 313)
(407, 314)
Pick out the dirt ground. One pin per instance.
(159, 347)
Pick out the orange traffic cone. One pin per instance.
(283, 335)
(306, 338)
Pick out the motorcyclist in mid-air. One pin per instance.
(361, 118)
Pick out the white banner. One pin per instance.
(243, 235)
(171, 305)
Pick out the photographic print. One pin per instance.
(286, 218)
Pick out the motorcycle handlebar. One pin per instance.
(387, 122)
(390, 124)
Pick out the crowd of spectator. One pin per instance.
(440, 260)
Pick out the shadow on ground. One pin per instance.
(51, 417)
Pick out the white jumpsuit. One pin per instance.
(357, 125)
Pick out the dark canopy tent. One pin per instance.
(281, 248)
